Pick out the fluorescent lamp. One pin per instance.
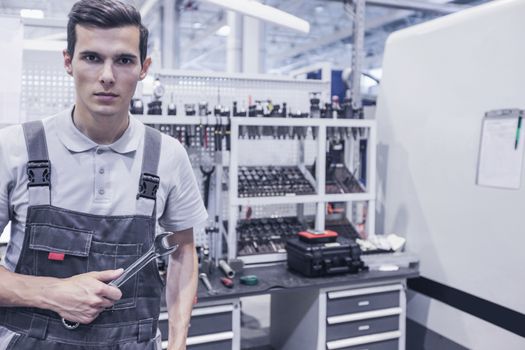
(146, 7)
(223, 31)
(30, 13)
(266, 13)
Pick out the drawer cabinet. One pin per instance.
(371, 318)
(212, 327)
(348, 317)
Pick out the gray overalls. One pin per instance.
(61, 243)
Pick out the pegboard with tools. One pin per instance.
(197, 94)
(196, 109)
(260, 138)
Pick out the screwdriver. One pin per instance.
(227, 282)
(204, 278)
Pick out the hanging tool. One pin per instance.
(206, 175)
(200, 134)
(227, 134)
(158, 248)
(217, 134)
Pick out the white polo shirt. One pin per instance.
(95, 179)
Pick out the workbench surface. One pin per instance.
(277, 277)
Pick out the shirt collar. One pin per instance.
(74, 140)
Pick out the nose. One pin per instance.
(107, 78)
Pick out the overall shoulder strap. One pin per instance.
(38, 165)
(149, 180)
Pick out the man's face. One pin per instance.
(106, 68)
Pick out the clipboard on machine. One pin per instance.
(501, 149)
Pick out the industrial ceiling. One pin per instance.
(203, 48)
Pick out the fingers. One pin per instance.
(111, 293)
(89, 313)
(106, 304)
(106, 275)
(105, 290)
(84, 318)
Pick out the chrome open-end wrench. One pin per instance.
(158, 248)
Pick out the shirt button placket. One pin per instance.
(99, 178)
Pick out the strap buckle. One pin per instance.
(39, 173)
(148, 186)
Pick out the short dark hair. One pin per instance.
(105, 14)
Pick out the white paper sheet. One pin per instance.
(11, 47)
(500, 160)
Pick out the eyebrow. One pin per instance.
(119, 55)
(127, 55)
(89, 53)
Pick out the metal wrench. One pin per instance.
(158, 248)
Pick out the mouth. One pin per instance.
(105, 94)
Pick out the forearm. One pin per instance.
(23, 290)
(181, 288)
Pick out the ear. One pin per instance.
(68, 62)
(145, 67)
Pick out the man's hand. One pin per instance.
(83, 297)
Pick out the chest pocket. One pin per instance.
(59, 252)
(64, 252)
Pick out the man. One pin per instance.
(70, 187)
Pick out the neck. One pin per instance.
(102, 129)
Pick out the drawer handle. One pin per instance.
(363, 328)
(363, 303)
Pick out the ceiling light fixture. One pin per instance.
(266, 13)
(31, 13)
(223, 31)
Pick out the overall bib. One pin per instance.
(62, 243)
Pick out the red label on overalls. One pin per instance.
(56, 256)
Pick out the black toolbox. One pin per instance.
(322, 259)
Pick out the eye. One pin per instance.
(91, 58)
(125, 60)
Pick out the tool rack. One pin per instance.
(320, 198)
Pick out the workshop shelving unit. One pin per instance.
(320, 198)
(226, 88)
(183, 87)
